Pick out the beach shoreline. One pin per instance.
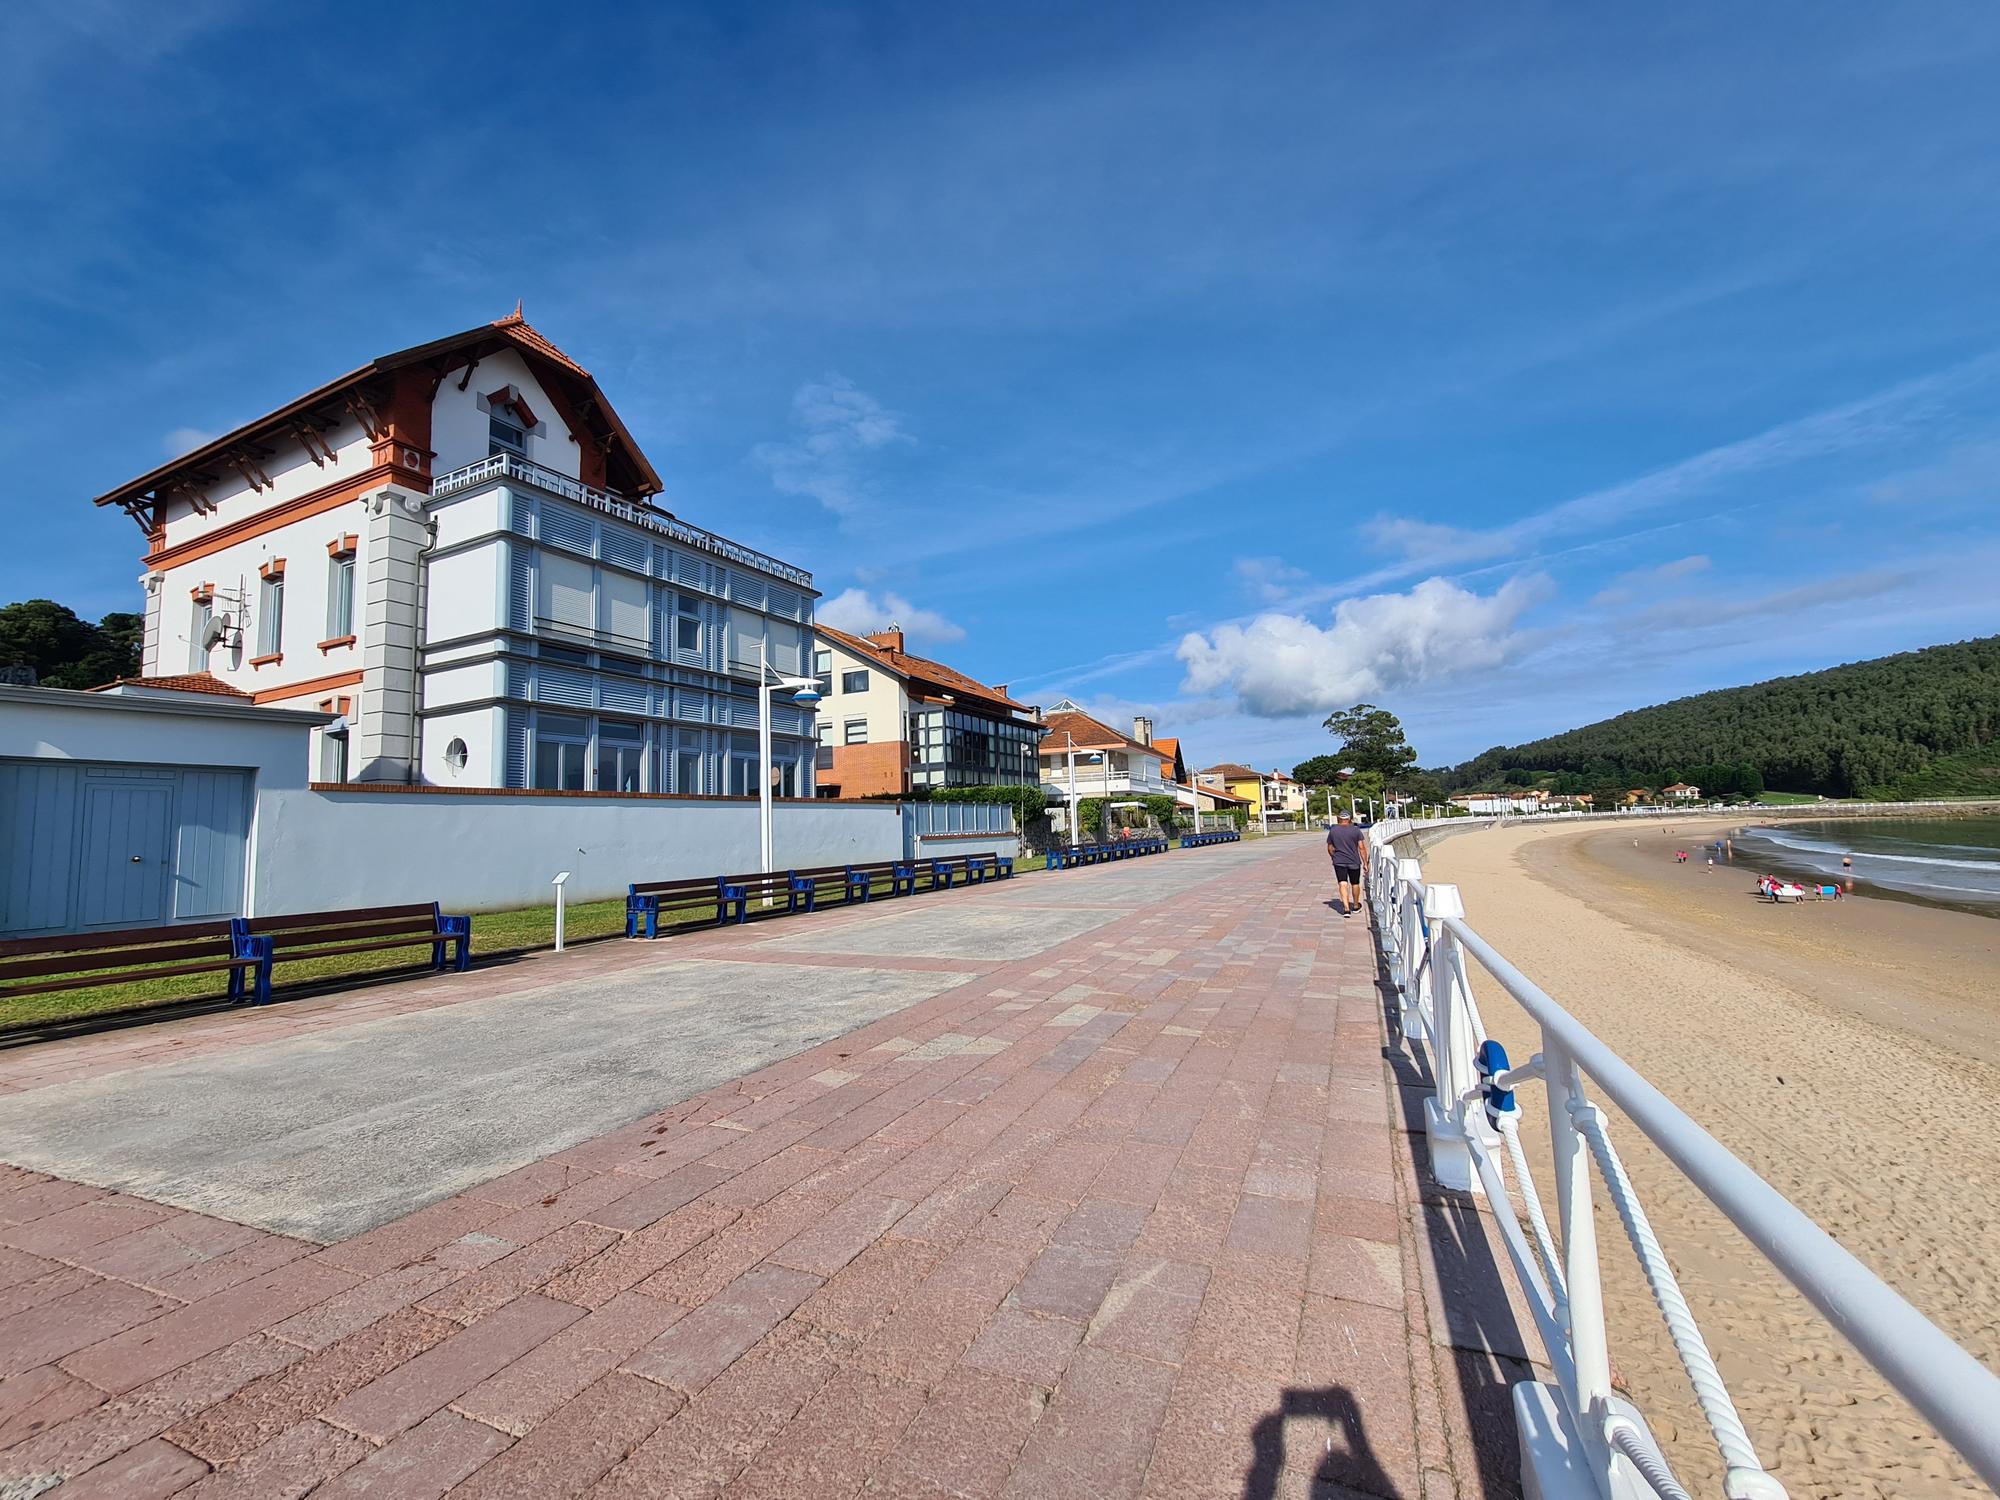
(1848, 1051)
(1927, 970)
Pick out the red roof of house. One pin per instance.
(629, 469)
(1217, 794)
(1076, 729)
(179, 682)
(1233, 771)
(920, 669)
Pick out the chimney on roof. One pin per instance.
(889, 640)
(1142, 729)
(1000, 688)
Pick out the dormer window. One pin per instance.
(505, 436)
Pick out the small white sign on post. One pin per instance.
(559, 882)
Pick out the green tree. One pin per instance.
(1371, 739)
(65, 651)
(1318, 770)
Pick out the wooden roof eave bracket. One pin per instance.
(364, 411)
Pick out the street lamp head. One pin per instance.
(806, 696)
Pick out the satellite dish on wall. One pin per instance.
(217, 632)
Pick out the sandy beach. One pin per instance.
(1848, 1051)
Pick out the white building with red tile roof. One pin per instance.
(456, 550)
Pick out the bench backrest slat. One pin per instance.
(418, 931)
(705, 884)
(303, 920)
(131, 937)
(137, 959)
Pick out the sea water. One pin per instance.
(1941, 861)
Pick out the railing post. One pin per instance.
(1590, 1356)
(1445, 1115)
(1416, 973)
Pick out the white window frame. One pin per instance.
(271, 616)
(204, 616)
(340, 596)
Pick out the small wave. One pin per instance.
(1835, 851)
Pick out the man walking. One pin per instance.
(1347, 847)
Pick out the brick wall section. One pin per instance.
(868, 770)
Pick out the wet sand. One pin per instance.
(1848, 1051)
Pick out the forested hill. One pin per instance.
(1847, 731)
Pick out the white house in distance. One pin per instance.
(1124, 764)
(1680, 791)
(455, 550)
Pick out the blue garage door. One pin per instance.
(98, 847)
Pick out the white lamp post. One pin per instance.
(1069, 760)
(806, 694)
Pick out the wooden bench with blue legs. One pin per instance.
(646, 899)
(330, 934)
(764, 885)
(1068, 857)
(828, 880)
(88, 960)
(861, 879)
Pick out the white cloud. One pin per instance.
(1420, 539)
(1627, 588)
(1285, 664)
(1876, 419)
(839, 425)
(1268, 580)
(858, 611)
(1848, 589)
(185, 440)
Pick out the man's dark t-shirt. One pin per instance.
(1344, 841)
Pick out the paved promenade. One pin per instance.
(1087, 1184)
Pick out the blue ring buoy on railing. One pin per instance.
(1491, 1060)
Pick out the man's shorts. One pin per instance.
(1349, 873)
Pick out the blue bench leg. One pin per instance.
(653, 921)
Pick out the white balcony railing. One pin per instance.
(508, 466)
(1577, 1436)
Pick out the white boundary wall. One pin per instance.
(326, 850)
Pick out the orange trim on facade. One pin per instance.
(266, 661)
(313, 503)
(275, 568)
(343, 546)
(307, 689)
(334, 644)
(202, 593)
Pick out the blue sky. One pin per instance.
(1506, 367)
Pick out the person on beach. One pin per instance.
(1347, 847)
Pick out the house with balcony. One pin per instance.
(891, 721)
(457, 551)
(1105, 762)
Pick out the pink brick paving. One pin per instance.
(1137, 1216)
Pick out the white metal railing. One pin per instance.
(511, 466)
(1577, 1436)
